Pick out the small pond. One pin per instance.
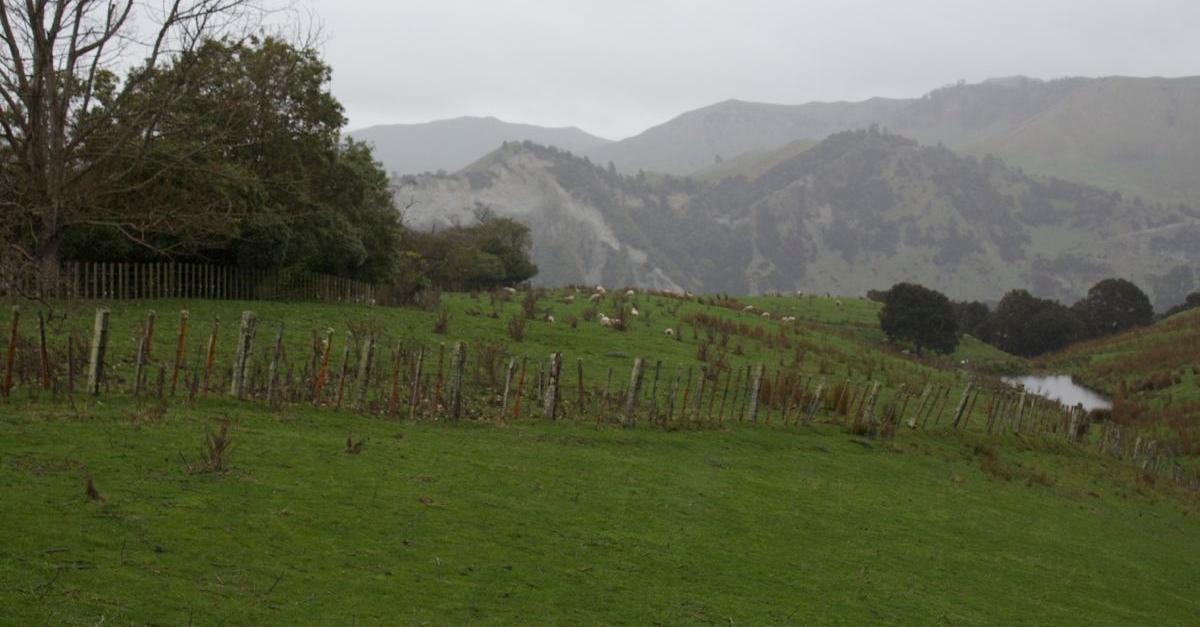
(1062, 389)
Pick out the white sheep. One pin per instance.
(595, 298)
(600, 289)
(633, 311)
(568, 299)
(605, 321)
(550, 319)
(630, 293)
(510, 290)
(766, 314)
(838, 304)
(669, 332)
(748, 308)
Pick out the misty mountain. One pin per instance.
(450, 145)
(1136, 135)
(701, 138)
(861, 210)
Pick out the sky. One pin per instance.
(615, 68)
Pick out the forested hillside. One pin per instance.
(859, 211)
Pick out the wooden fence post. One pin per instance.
(342, 373)
(635, 386)
(754, 388)
(44, 356)
(99, 347)
(366, 359)
(11, 355)
(962, 404)
(180, 347)
(550, 402)
(211, 354)
(242, 355)
(1016, 424)
(508, 376)
(273, 370)
(458, 359)
(416, 384)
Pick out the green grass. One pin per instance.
(563, 524)
(576, 522)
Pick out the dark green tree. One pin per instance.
(1026, 325)
(1116, 305)
(917, 314)
(974, 318)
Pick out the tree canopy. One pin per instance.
(917, 314)
(1116, 305)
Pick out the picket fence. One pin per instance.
(125, 281)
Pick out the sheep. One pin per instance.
(633, 311)
(669, 332)
(550, 318)
(600, 289)
(788, 319)
(748, 308)
(595, 298)
(766, 314)
(838, 304)
(630, 293)
(568, 299)
(510, 290)
(605, 321)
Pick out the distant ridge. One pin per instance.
(451, 145)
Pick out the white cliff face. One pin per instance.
(572, 241)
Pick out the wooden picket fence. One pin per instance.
(124, 281)
(400, 379)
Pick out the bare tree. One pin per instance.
(74, 133)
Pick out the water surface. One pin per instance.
(1062, 389)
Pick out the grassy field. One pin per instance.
(573, 522)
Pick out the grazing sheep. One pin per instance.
(630, 293)
(669, 332)
(510, 290)
(568, 299)
(600, 289)
(838, 304)
(788, 319)
(633, 311)
(595, 298)
(550, 318)
(605, 321)
(766, 314)
(748, 308)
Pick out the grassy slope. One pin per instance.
(566, 522)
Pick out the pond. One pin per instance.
(1062, 389)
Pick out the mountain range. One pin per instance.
(861, 210)
(971, 189)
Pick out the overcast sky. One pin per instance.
(617, 67)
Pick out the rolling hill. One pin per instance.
(859, 211)
(450, 145)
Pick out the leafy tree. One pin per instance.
(1025, 325)
(917, 314)
(491, 253)
(1116, 305)
(73, 135)
(292, 195)
(974, 318)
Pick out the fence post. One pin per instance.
(44, 356)
(754, 388)
(962, 404)
(635, 385)
(416, 384)
(99, 346)
(180, 346)
(211, 354)
(12, 350)
(458, 359)
(365, 360)
(512, 364)
(551, 398)
(273, 371)
(242, 356)
(143, 355)
(1016, 425)
(342, 373)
